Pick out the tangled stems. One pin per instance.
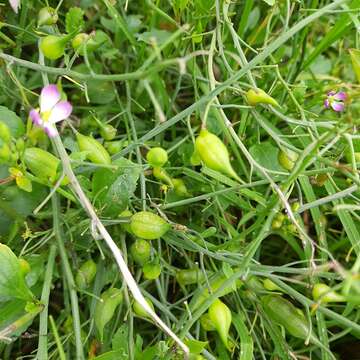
(99, 228)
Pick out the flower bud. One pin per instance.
(157, 157)
(140, 311)
(78, 42)
(258, 96)
(5, 134)
(53, 46)
(140, 251)
(149, 226)
(96, 153)
(47, 16)
(325, 294)
(108, 132)
(287, 159)
(85, 274)
(214, 153)
(220, 315)
(105, 309)
(151, 270)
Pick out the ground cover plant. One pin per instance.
(179, 179)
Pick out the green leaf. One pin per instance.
(266, 155)
(355, 60)
(155, 35)
(114, 188)
(120, 341)
(270, 2)
(112, 355)
(74, 20)
(12, 281)
(105, 309)
(196, 346)
(14, 123)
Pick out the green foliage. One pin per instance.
(74, 20)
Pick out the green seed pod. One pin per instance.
(284, 313)
(140, 311)
(114, 147)
(220, 315)
(53, 46)
(47, 16)
(20, 145)
(270, 285)
(5, 154)
(206, 323)
(287, 159)
(96, 153)
(105, 309)
(151, 270)
(149, 226)
(161, 174)
(180, 187)
(85, 274)
(78, 42)
(126, 226)
(325, 294)
(140, 251)
(258, 96)
(108, 132)
(5, 134)
(189, 276)
(214, 153)
(24, 267)
(157, 157)
(41, 163)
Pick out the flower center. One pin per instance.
(45, 115)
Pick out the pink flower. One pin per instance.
(52, 110)
(335, 100)
(15, 4)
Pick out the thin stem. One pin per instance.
(42, 353)
(69, 278)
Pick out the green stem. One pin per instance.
(42, 353)
(69, 278)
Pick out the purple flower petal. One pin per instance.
(50, 129)
(49, 96)
(327, 103)
(35, 117)
(340, 96)
(337, 106)
(15, 4)
(61, 111)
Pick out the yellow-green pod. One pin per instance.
(258, 96)
(41, 163)
(140, 251)
(53, 46)
(161, 174)
(96, 153)
(220, 316)
(214, 153)
(325, 294)
(270, 285)
(287, 159)
(85, 274)
(206, 323)
(180, 187)
(157, 157)
(148, 226)
(140, 311)
(47, 16)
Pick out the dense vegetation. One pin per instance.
(204, 152)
